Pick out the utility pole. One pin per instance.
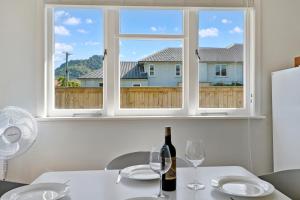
(67, 70)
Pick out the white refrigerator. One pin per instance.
(286, 119)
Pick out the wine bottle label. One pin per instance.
(171, 174)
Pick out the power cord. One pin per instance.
(3, 169)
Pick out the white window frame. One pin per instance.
(49, 52)
(248, 68)
(111, 80)
(154, 71)
(178, 65)
(221, 66)
(149, 111)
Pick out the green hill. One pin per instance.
(80, 67)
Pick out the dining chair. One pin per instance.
(136, 158)
(5, 186)
(287, 182)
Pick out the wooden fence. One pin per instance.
(221, 97)
(150, 97)
(78, 97)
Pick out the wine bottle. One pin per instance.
(169, 178)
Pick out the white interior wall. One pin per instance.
(81, 145)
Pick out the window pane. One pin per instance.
(221, 76)
(151, 21)
(150, 63)
(218, 69)
(78, 38)
(178, 70)
(151, 70)
(224, 71)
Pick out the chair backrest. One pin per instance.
(287, 182)
(6, 186)
(136, 158)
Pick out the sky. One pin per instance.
(80, 31)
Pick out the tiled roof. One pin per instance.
(233, 53)
(165, 55)
(128, 70)
(94, 74)
(132, 70)
(135, 70)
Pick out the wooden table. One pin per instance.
(101, 185)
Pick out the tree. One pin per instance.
(61, 82)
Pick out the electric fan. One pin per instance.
(18, 131)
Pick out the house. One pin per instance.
(164, 68)
(217, 65)
(221, 65)
(131, 73)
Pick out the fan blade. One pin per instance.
(20, 119)
(7, 151)
(27, 131)
(4, 121)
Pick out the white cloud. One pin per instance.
(59, 14)
(83, 31)
(133, 53)
(62, 47)
(72, 21)
(162, 29)
(91, 43)
(236, 30)
(209, 32)
(61, 30)
(60, 50)
(89, 21)
(153, 28)
(159, 29)
(226, 21)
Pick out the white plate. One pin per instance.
(242, 186)
(139, 172)
(40, 191)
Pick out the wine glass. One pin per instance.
(195, 154)
(160, 162)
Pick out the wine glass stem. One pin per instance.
(160, 186)
(195, 177)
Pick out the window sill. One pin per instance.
(217, 117)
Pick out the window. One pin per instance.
(136, 85)
(144, 70)
(77, 67)
(151, 21)
(151, 70)
(222, 63)
(177, 70)
(221, 70)
(148, 49)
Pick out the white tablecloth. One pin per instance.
(101, 185)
